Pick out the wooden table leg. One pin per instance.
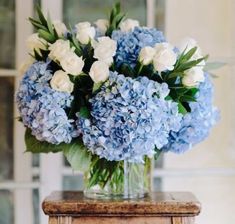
(183, 220)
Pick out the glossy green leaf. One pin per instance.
(41, 16)
(50, 26)
(35, 146)
(84, 112)
(46, 36)
(77, 155)
(182, 109)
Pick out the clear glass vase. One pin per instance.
(118, 180)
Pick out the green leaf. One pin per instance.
(97, 86)
(77, 155)
(37, 55)
(84, 112)
(35, 146)
(190, 64)
(168, 97)
(41, 16)
(50, 26)
(189, 54)
(77, 46)
(182, 109)
(214, 65)
(126, 69)
(158, 153)
(192, 91)
(187, 98)
(118, 7)
(174, 74)
(47, 36)
(37, 24)
(115, 18)
(181, 91)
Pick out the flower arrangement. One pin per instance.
(110, 92)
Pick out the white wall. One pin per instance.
(212, 24)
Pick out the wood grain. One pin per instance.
(157, 204)
(110, 220)
(183, 220)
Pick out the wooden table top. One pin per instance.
(157, 204)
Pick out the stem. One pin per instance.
(140, 69)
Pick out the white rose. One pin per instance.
(99, 71)
(60, 28)
(165, 57)
(102, 25)
(24, 67)
(146, 55)
(61, 82)
(105, 49)
(59, 49)
(35, 42)
(72, 64)
(189, 43)
(85, 32)
(129, 25)
(193, 77)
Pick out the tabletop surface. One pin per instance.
(158, 203)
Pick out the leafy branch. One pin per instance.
(181, 94)
(115, 18)
(44, 26)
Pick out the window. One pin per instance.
(208, 170)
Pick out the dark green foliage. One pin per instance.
(82, 92)
(116, 17)
(35, 146)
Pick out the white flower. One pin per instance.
(189, 43)
(105, 49)
(85, 32)
(146, 55)
(35, 42)
(60, 27)
(61, 82)
(193, 77)
(102, 25)
(59, 49)
(129, 25)
(24, 67)
(99, 71)
(72, 64)
(165, 57)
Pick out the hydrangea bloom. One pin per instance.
(129, 118)
(129, 44)
(42, 109)
(196, 125)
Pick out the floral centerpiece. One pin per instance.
(110, 96)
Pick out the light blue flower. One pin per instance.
(43, 109)
(129, 118)
(195, 126)
(129, 44)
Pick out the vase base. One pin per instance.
(107, 196)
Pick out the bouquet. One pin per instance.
(110, 96)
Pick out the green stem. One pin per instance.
(140, 69)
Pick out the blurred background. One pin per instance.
(208, 170)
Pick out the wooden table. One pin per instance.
(159, 208)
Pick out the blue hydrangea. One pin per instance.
(129, 44)
(196, 125)
(129, 118)
(43, 109)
